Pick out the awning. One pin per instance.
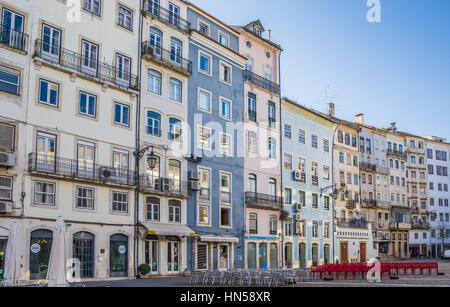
(168, 230)
(219, 239)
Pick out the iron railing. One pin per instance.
(166, 16)
(153, 131)
(164, 186)
(421, 225)
(315, 181)
(263, 200)
(369, 203)
(252, 115)
(79, 170)
(353, 223)
(262, 82)
(350, 204)
(167, 58)
(368, 166)
(13, 38)
(382, 169)
(400, 226)
(88, 68)
(397, 154)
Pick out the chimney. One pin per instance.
(394, 127)
(360, 119)
(332, 110)
(270, 35)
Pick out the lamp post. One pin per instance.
(152, 159)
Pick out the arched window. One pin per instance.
(156, 37)
(253, 223)
(153, 123)
(153, 208)
(40, 248)
(174, 129)
(175, 92)
(175, 175)
(176, 50)
(252, 183)
(154, 81)
(273, 187)
(83, 250)
(340, 136)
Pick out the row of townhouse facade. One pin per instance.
(159, 134)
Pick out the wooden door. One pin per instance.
(344, 252)
(363, 252)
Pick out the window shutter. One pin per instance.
(6, 137)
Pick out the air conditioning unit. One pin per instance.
(194, 175)
(298, 176)
(298, 206)
(165, 184)
(6, 207)
(7, 159)
(380, 225)
(194, 185)
(106, 173)
(298, 217)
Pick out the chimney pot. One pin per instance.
(360, 119)
(270, 35)
(332, 110)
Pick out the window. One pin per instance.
(89, 60)
(288, 131)
(315, 229)
(176, 50)
(347, 138)
(272, 148)
(48, 93)
(125, 18)
(251, 107)
(120, 202)
(314, 141)
(225, 73)
(225, 188)
(225, 217)
(85, 198)
(175, 129)
(326, 230)
(44, 193)
(120, 163)
(175, 89)
(287, 196)
(315, 201)
(203, 28)
(9, 81)
(326, 172)
(203, 214)
(302, 136)
(6, 188)
(253, 223)
(92, 6)
(302, 198)
(205, 183)
(272, 187)
(252, 183)
(156, 40)
(153, 123)
(204, 138)
(273, 228)
(223, 39)
(174, 211)
(271, 114)
(13, 24)
(174, 14)
(204, 101)
(153, 208)
(326, 204)
(252, 142)
(340, 136)
(326, 145)
(154, 81)
(51, 39)
(7, 138)
(121, 114)
(288, 162)
(205, 63)
(225, 108)
(225, 144)
(88, 104)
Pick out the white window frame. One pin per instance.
(91, 10)
(222, 66)
(88, 96)
(222, 34)
(49, 85)
(14, 73)
(200, 145)
(122, 16)
(8, 189)
(204, 54)
(198, 100)
(208, 223)
(119, 203)
(87, 198)
(122, 107)
(35, 191)
(229, 143)
(230, 103)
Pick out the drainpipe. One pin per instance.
(333, 203)
(281, 162)
(138, 124)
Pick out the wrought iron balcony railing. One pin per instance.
(400, 226)
(353, 223)
(350, 204)
(382, 169)
(166, 16)
(163, 186)
(167, 58)
(315, 181)
(79, 170)
(263, 200)
(13, 38)
(252, 115)
(383, 204)
(262, 82)
(89, 68)
(369, 203)
(368, 166)
(421, 225)
(397, 154)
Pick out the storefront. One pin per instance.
(262, 253)
(164, 248)
(40, 249)
(3, 243)
(215, 253)
(83, 249)
(118, 256)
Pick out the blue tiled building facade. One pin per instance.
(216, 97)
(307, 140)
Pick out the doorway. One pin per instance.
(173, 257)
(118, 256)
(363, 252)
(302, 255)
(151, 254)
(344, 252)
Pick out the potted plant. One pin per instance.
(143, 271)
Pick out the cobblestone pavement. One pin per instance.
(407, 281)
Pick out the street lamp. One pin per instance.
(152, 159)
(334, 194)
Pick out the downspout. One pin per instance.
(137, 162)
(281, 162)
(333, 212)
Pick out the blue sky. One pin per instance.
(394, 71)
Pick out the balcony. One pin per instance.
(351, 204)
(369, 203)
(368, 167)
(166, 58)
(167, 17)
(354, 223)
(13, 39)
(400, 226)
(416, 151)
(396, 154)
(415, 210)
(163, 186)
(252, 115)
(383, 204)
(382, 169)
(420, 225)
(263, 201)
(75, 63)
(78, 170)
(262, 82)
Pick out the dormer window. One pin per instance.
(258, 31)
